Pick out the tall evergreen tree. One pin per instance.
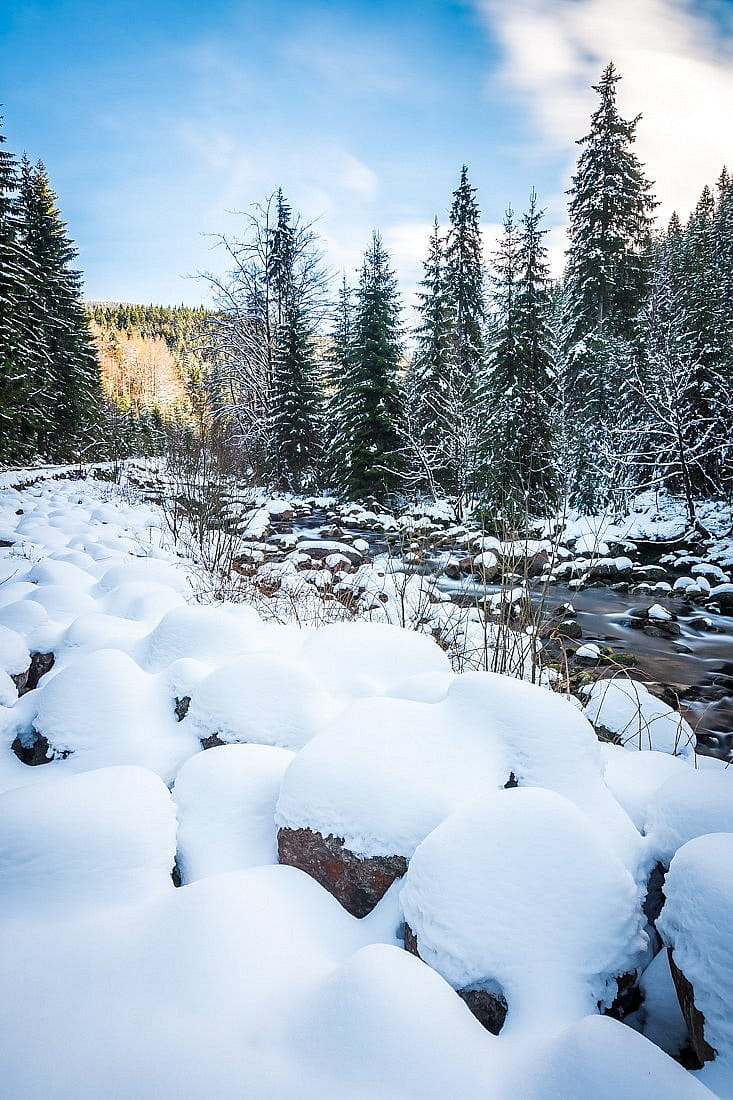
(520, 384)
(465, 274)
(611, 212)
(297, 422)
(76, 386)
(370, 412)
(20, 414)
(429, 380)
(465, 281)
(336, 462)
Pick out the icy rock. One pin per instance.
(722, 594)
(520, 890)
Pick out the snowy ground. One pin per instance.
(528, 846)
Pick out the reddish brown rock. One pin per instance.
(693, 1016)
(489, 1008)
(358, 883)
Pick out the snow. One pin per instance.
(689, 804)
(629, 711)
(635, 777)
(103, 709)
(260, 698)
(80, 840)
(589, 652)
(519, 888)
(697, 923)
(225, 799)
(659, 613)
(250, 979)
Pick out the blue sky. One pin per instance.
(157, 119)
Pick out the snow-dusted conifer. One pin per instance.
(369, 399)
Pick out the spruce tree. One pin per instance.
(520, 385)
(296, 416)
(20, 412)
(370, 412)
(610, 213)
(429, 379)
(338, 359)
(465, 280)
(75, 383)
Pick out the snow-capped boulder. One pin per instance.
(696, 924)
(75, 840)
(225, 800)
(518, 895)
(103, 709)
(625, 711)
(259, 698)
(359, 798)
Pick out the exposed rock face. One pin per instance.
(41, 663)
(213, 741)
(36, 750)
(654, 900)
(693, 1016)
(181, 707)
(489, 1008)
(609, 569)
(358, 883)
(628, 999)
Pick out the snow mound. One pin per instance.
(262, 699)
(519, 888)
(689, 805)
(385, 773)
(210, 634)
(14, 655)
(634, 777)
(103, 709)
(602, 1059)
(628, 711)
(360, 658)
(106, 835)
(226, 808)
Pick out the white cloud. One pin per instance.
(358, 177)
(677, 68)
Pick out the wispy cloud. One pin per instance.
(677, 64)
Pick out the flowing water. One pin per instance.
(697, 665)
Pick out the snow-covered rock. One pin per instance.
(520, 890)
(697, 925)
(626, 710)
